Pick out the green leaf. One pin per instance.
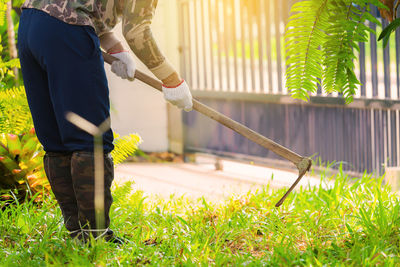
(303, 36)
(321, 39)
(124, 147)
(385, 34)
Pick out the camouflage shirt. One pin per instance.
(103, 15)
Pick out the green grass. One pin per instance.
(355, 222)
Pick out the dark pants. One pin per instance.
(63, 70)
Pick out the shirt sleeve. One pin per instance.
(136, 20)
(108, 40)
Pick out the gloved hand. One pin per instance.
(125, 67)
(179, 96)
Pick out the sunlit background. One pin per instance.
(232, 53)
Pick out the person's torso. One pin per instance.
(101, 14)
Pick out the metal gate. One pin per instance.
(233, 58)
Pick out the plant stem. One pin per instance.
(395, 9)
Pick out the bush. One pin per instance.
(21, 166)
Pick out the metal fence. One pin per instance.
(233, 58)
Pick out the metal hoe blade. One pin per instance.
(304, 166)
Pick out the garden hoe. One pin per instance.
(303, 164)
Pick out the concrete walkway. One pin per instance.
(201, 179)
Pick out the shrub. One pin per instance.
(21, 166)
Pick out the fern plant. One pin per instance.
(124, 147)
(8, 68)
(15, 116)
(3, 8)
(303, 38)
(321, 39)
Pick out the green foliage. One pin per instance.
(303, 37)
(17, 3)
(3, 8)
(321, 39)
(342, 222)
(7, 66)
(385, 34)
(15, 116)
(124, 147)
(21, 166)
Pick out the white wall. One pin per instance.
(137, 108)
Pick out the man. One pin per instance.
(59, 45)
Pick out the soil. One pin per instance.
(156, 157)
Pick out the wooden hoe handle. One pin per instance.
(303, 164)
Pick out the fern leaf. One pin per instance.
(13, 63)
(321, 40)
(346, 30)
(304, 34)
(15, 116)
(124, 147)
(385, 34)
(3, 8)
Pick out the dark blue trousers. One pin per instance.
(63, 70)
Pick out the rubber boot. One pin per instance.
(58, 170)
(82, 168)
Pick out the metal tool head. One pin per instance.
(303, 166)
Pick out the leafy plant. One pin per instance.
(385, 34)
(7, 65)
(321, 40)
(3, 8)
(15, 116)
(21, 166)
(8, 50)
(125, 146)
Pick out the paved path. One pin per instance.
(201, 179)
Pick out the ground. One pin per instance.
(200, 179)
(344, 221)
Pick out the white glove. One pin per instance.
(125, 67)
(179, 96)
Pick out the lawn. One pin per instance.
(355, 222)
